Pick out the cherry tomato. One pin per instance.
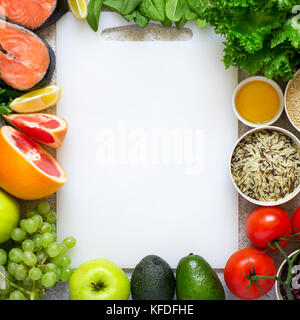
(266, 224)
(240, 264)
(296, 222)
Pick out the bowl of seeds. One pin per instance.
(292, 100)
(265, 166)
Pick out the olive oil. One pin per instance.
(257, 102)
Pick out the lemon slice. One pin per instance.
(78, 8)
(37, 100)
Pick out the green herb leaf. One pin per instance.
(153, 9)
(6, 97)
(175, 9)
(4, 109)
(94, 9)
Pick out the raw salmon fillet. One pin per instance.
(24, 57)
(28, 13)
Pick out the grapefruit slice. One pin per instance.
(45, 128)
(27, 170)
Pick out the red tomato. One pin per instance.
(266, 224)
(239, 265)
(296, 222)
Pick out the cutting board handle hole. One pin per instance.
(153, 32)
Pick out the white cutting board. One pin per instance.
(127, 196)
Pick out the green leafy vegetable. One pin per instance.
(180, 24)
(4, 109)
(290, 32)
(124, 7)
(261, 36)
(188, 13)
(130, 16)
(201, 23)
(140, 19)
(6, 97)
(142, 11)
(167, 23)
(94, 9)
(175, 9)
(153, 9)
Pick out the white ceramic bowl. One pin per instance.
(284, 99)
(277, 285)
(263, 203)
(274, 85)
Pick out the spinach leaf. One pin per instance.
(130, 16)
(94, 9)
(199, 6)
(180, 24)
(140, 19)
(167, 23)
(175, 9)
(124, 7)
(188, 13)
(153, 9)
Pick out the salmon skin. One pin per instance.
(33, 14)
(26, 61)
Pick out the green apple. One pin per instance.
(99, 279)
(9, 215)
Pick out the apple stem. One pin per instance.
(98, 287)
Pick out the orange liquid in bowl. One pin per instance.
(257, 102)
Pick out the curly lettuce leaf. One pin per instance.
(237, 56)
(289, 32)
(282, 63)
(261, 36)
(236, 20)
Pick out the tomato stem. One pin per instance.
(253, 278)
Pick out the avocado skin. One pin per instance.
(153, 279)
(196, 280)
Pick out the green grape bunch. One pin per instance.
(33, 260)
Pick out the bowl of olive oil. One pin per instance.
(258, 101)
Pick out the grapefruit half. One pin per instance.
(27, 170)
(47, 129)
